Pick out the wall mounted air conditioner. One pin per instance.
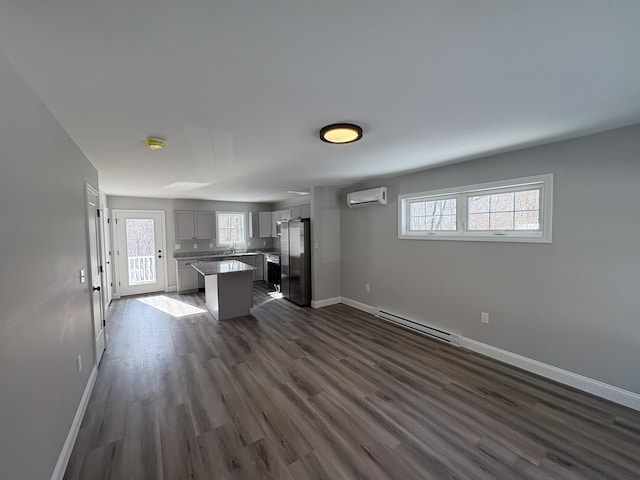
(364, 198)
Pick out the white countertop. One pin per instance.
(226, 266)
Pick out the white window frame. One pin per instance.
(219, 241)
(462, 194)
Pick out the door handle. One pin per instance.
(96, 289)
(159, 256)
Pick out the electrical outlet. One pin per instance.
(210, 244)
(177, 246)
(195, 245)
(367, 287)
(79, 362)
(264, 243)
(484, 317)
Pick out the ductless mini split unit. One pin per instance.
(364, 198)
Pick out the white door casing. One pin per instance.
(107, 258)
(139, 251)
(95, 275)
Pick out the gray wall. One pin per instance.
(169, 206)
(574, 303)
(325, 232)
(45, 316)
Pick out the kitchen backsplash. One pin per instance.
(204, 245)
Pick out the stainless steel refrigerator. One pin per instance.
(295, 261)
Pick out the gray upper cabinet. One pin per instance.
(277, 216)
(194, 225)
(296, 212)
(205, 224)
(185, 225)
(265, 224)
(305, 211)
(254, 225)
(259, 224)
(300, 211)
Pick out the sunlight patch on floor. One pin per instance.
(272, 296)
(173, 307)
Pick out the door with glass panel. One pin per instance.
(140, 251)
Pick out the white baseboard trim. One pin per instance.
(171, 289)
(358, 305)
(586, 384)
(67, 448)
(326, 302)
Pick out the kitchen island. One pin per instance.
(228, 287)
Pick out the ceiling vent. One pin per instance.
(364, 198)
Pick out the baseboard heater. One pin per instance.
(436, 333)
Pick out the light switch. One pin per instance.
(317, 244)
(83, 276)
(177, 246)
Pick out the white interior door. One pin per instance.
(140, 252)
(95, 274)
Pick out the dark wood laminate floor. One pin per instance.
(293, 393)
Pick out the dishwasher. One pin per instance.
(273, 270)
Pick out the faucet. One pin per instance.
(233, 248)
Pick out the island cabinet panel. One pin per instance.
(228, 287)
(194, 225)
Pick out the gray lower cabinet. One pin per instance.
(265, 269)
(188, 280)
(186, 277)
(258, 275)
(254, 261)
(249, 260)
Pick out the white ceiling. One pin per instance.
(240, 88)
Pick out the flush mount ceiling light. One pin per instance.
(155, 143)
(341, 133)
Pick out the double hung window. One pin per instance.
(231, 228)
